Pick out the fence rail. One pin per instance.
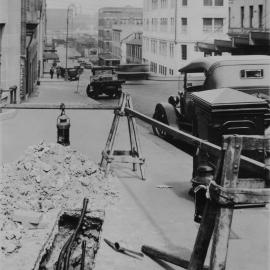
(12, 95)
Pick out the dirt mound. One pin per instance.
(48, 176)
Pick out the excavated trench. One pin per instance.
(89, 233)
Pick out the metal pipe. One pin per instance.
(83, 255)
(66, 263)
(66, 249)
(40, 106)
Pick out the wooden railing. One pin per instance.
(12, 95)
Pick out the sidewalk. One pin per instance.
(144, 213)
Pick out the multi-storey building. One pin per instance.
(121, 32)
(172, 28)
(22, 37)
(109, 16)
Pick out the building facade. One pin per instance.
(171, 29)
(111, 16)
(121, 32)
(22, 32)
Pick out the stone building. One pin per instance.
(22, 37)
(111, 16)
(249, 29)
(172, 28)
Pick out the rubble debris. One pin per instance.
(48, 176)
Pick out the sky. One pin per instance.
(91, 6)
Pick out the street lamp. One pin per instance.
(68, 10)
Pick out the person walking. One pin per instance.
(52, 72)
(58, 72)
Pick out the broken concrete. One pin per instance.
(47, 177)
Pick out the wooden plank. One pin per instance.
(250, 183)
(229, 178)
(203, 237)
(182, 260)
(47, 106)
(212, 149)
(230, 196)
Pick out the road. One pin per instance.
(145, 94)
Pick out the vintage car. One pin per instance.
(249, 74)
(104, 81)
(132, 72)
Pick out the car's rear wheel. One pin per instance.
(161, 116)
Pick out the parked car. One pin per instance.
(249, 74)
(104, 81)
(87, 65)
(73, 74)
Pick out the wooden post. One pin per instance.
(224, 217)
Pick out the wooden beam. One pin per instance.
(182, 260)
(46, 106)
(212, 149)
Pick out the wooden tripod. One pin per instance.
(134, 155)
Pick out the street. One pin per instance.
(145, 94)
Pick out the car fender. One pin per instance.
(171, 113)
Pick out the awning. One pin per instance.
(50, 56)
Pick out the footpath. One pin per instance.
(145, 213)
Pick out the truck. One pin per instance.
(247, 73)
(104, 80)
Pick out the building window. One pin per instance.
(184, 52)
(171, 49)
(163, 48)
(207, 24)
(184, 24)
(184, 2)
(172, 25)
(230, 17)
(219, 3)
(218, 25)
(242, 16)
(164, 3)
(250, 16)
(260, 16)
(154, 4)
(207, 2)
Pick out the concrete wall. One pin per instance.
(10, 18)
(175, 35)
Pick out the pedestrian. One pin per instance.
(52, 72)
(58, 72)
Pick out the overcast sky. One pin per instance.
(91, 6)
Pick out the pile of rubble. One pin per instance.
(48, 176)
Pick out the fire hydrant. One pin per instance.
(63, 126)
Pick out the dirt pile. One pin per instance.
(48, 176)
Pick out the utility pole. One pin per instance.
(68, 9)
